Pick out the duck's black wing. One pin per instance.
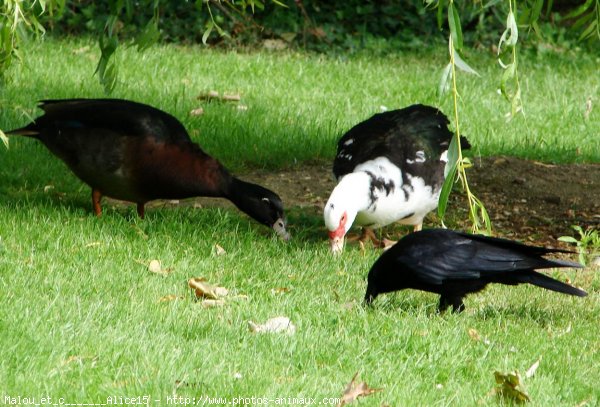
(124, 117)
(397, 135)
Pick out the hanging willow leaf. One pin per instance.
(450, 174)
(508, 75)
(440, 14)
(455, 28)
(463, 66)
(209, 27)
(536, 10)
(590, 30)
(580, 10)
(580, 22)
(106, 68)
(149, 35)
(510, 34)
(446, 189)
(444, 85)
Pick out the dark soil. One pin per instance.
(526, 200)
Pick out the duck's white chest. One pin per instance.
(394, 197)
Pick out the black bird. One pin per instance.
(454, 264)
(389, 168)
(137, 153)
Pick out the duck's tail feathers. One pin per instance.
(549, 283)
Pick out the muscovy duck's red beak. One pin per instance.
(336, 240)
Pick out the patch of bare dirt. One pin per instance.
(526, 200)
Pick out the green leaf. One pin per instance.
(510, 34)
(568, 239)
(485, 217)
(581, 21)
(149, 36)
(455, 28)
(109, 77)
(209, 28)
(580, 10)
(549, 5)
(589, 30)
(509, 73)
(453, 152)
(444, 85)
(106, 69)
(463, 66)
(450, 174)
(446, 189)
(279, 3)
(440, 14)
(536, 10)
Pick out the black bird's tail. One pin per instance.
(29, 131)
(549, 283)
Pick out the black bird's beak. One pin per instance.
(370, 295)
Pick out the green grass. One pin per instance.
(299, 105)
(80, 316)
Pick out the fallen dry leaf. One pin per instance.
(231, 97)
(205, 290)
(273, 325)
(510, 385)
(219, 251)
(354, 391)
(211, 94)
(93, 244)
(212, 303)
(170, 297)
(274, 45)
(280, 290)
(155, 267)
(588, 108)
(348, 306)
(81, 50)
(531, 371)
(474, 334)
(214, 95)
(197, 112)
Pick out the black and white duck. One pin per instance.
(390, 168)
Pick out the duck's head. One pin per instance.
(338, 219)
(263, 205)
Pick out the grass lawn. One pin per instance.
(82, 318)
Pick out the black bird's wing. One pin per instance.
(435, 256)
(397, 135)
(130, 119)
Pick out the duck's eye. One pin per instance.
(280, 224)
